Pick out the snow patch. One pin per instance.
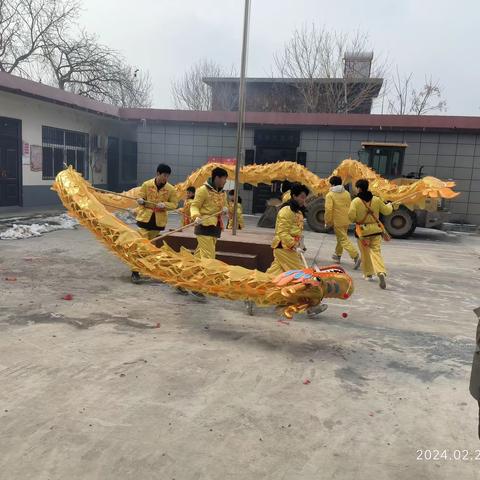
(126, 217)
(49, 224)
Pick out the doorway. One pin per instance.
(273, 146)
(113, 164)
(10, 162)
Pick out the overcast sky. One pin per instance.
(436, 38)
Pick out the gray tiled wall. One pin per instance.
(444, 155)
(185, 149)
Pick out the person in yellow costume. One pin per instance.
(185, 210)
(285, 189)
(288, 240)
(337, 204)
(206, 210)
(157, 196)
(230, 205)
(365, 211)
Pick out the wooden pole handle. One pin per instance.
(160, 237)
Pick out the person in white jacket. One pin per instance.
(337, 204)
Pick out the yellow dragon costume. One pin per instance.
(293, 291)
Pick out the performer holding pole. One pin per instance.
(287, 242)
(185, 210)
(240, 222)
(157, 196)
(288, 246)
(209, 199)
(337, 204)
(365, 212)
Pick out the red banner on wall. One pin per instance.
(223, 160)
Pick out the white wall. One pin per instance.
(36, 113)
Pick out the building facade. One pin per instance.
(352, 95)
(42, 128)
(446, 147)
(118, 148)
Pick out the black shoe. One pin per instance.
(199, 297)
(316, 311)
(357, 261)
(181, 291)
(136, 278)
(381, 281)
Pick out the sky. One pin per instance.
(429, 38)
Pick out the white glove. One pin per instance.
(161, 206)
(300, 250)
(198, 221)
(224, 210)
(140, 201)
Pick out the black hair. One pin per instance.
(286, 185)
(335, 180)
(191, 189)
(362, 185)
(162, 168)
(232, 192)
(297, 188)
(219, 172)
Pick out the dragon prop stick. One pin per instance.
(315, 260)
(118, 195)
(183, 227)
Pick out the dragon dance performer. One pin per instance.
(365, 212)
(289, 232)
(185, 210)
(230, 205)
(288, 240)
(337, 204)
(157, 196)
(285, 189)
(209, 199)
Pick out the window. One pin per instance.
(386, 160)
(128, 167)
(63, 146)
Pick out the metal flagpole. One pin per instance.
(241, 114)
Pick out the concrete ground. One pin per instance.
(136, 382)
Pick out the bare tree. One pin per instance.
(314, 59)
(405, 99)
(134, 88)
(191, 93)
(80, 64)
(26, 26)
(40, 40)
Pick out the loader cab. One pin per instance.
(385, 158)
